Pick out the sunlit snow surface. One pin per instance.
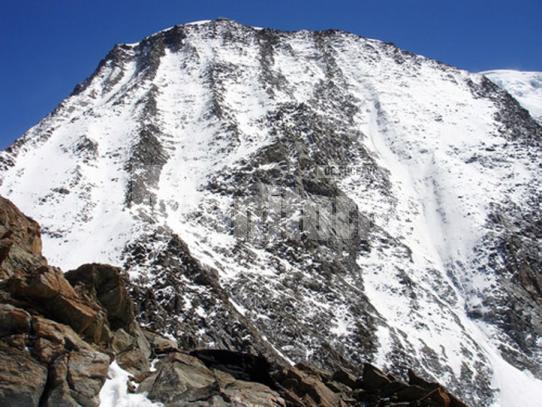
(419, 122)
(526, 87)
(114, 392)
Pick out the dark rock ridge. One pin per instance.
(59, 333)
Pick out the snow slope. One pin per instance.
(349, 195)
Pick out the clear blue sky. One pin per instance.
(48, 46)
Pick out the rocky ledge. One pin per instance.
(60, 332)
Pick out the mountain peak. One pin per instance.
(338, 198)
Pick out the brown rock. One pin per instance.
(18, 341)
(411, 393)
(58, 333)
(47, 289)
(54, 339)
(24, 231)
(180, 378)
(13, 320)
(20, 241)
(306, 390)
(5, 246)
(363, 395)
(345, 377)
(373, 379)
(242, 366)
(240, 392)
(439, 394)
(338, 387)
(47, 350)
(87, 371)
(76, 370)
(22, 379)
(46, 283)
(418, 381)
(440, 398)
(59, 392)
(105, 283)
(120, 341)
(132, 351)
(159, 344)
(392, 388)
(324, 375)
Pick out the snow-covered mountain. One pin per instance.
(319, 195)
(526, 87)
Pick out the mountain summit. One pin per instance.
(314, 196)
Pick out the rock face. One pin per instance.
(22, 379)
(45, 362)
(105, 285)
(55, 343)
(20, 240)
(316, 195)
(59, 333)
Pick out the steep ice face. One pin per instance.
(526, 87)
(341, 200)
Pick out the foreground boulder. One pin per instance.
(43, 361)
(182, 379)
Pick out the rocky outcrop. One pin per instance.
(45, 362)
(159, 344)
(218, 377)
(22, 378)
(46, 289)
(20, 240)
(177, 278)
(182, 379)
(55, 342)
(307, 386)
(106, 285)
